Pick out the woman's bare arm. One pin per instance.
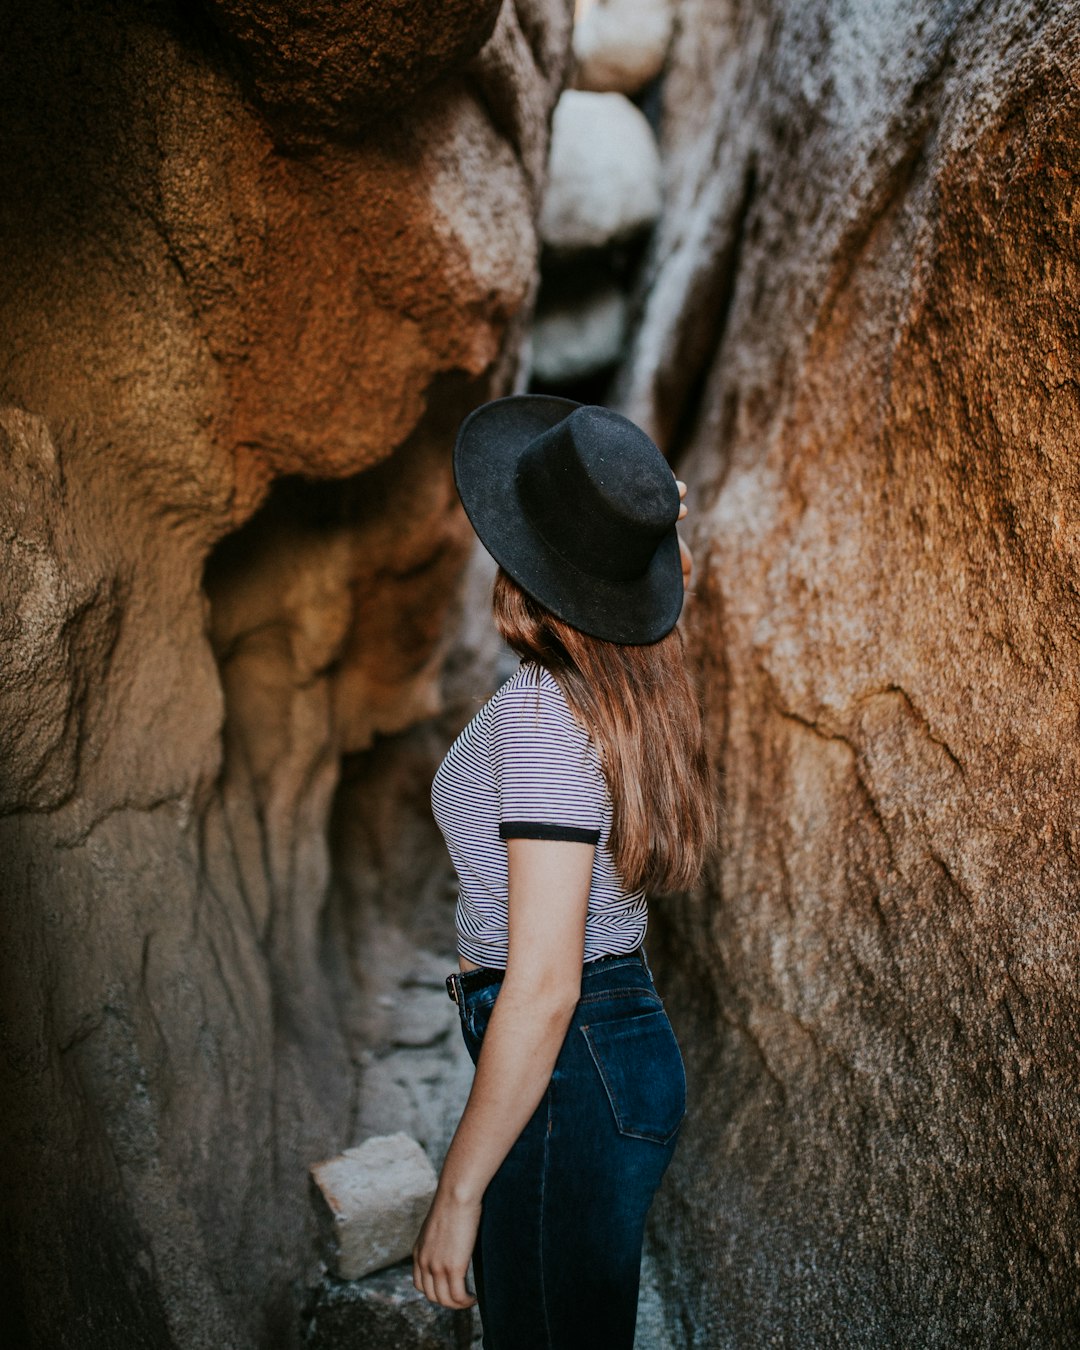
(548, 899)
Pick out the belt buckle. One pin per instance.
(451, 988)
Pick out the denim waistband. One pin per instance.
(464, 982)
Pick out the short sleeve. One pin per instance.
(547, 773)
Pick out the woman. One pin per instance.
(580, 784)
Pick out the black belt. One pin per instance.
(471, 980)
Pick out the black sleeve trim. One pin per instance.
(533, 829)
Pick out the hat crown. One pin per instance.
(599, 492)
(579, 506)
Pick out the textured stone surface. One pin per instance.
(194, 632)
(330, 66)
(372, 1200)
(859, 338)
(604, 176)
(620, 45)
(383, 1312)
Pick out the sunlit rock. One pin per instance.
(371, 1202)
(604, 176)
(620, 45)
(859, 344)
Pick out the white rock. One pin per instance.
(603, 175)
(620, 45)
(574, 341)
(422, 1016)
(384, 1105)
(375, 1198)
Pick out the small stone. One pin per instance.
(385, 1107)
(620, 45)
(372, 1200)
(424, 1017)
(574, 341)
(604, 174)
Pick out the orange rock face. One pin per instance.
(227, 274)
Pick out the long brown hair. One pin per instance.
(639, 707)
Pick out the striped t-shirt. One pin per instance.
(525, 768)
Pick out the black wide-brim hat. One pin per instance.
(579, 506)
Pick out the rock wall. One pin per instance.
(231, 268)
(858, 340)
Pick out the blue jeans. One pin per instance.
(557, 1260)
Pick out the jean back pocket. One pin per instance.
(639, 1062)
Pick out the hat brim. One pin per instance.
(489, 444)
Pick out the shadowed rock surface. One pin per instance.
(859, 337)
(197, 325)
(382, 1312)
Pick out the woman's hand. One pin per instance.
(442, 1252)
(684, 553)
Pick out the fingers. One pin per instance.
(441, 1285)
(687, 561)
(422, 1279)
(452, 1292)
(684, 553)
(447, 1288)
(466, 1299)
